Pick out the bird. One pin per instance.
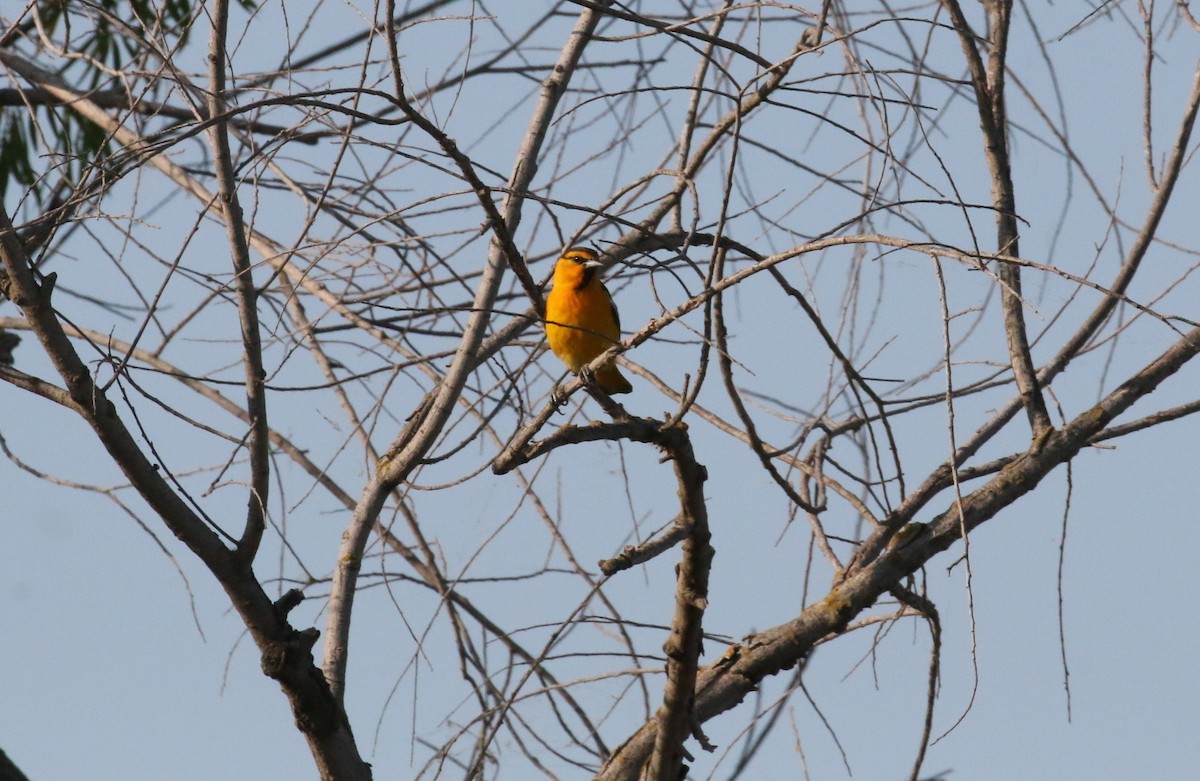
(581, 318)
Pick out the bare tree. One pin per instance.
(290, 269)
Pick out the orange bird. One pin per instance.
(581, 319)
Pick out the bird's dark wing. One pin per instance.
(616, 315)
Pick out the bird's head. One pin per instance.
(583, 256)
(576, 268)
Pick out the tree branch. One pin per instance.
(993, 121)
(258, 441)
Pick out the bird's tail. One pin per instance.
(612, 382)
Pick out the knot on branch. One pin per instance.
(288, 602)
(839, 607)
(294, 653)
(290, 661)
(8, 343)
(47, 287)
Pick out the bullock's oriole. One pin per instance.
(581, 319)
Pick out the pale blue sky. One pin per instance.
(118, 666)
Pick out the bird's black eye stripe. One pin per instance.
(589, 272)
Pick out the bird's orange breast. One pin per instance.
(579, 320)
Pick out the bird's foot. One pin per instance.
(558, 399)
